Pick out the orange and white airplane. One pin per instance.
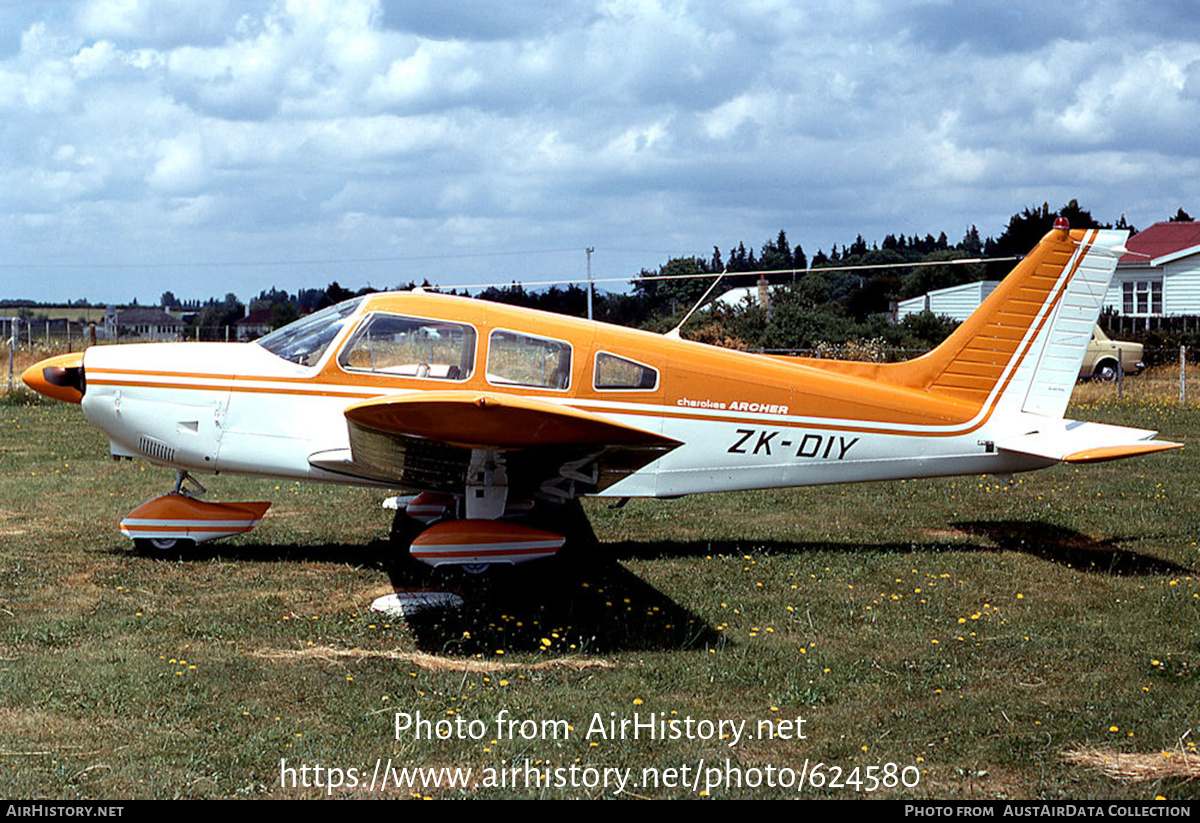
(496, 415)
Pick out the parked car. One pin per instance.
(1103, 355)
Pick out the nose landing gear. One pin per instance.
(178, 520)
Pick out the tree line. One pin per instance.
(814, 301)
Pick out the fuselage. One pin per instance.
(494, 413)
(744, 420)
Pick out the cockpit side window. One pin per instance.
(403, 346)
(516, 359)
(621, 373)
(304, 341)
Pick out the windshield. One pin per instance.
(305, 340)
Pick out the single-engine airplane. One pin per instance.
(495, 415)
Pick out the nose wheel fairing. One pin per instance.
(179, 517)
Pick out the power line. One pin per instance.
(819, 270)
(505, 284)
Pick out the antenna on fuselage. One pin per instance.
(674, 333)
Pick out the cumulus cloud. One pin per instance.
(160, 23)
(310, 130)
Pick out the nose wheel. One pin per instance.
(162, 546)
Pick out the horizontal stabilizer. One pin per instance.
(1074, 441)
(1099, 455)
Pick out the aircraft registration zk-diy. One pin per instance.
(494, 417)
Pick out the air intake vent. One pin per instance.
(157, 449)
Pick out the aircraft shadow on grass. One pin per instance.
(1046, 541)
(585, 602)
(1072, 549)
(565, 605)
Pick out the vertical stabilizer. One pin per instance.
(1022, 348)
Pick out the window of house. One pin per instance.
(1141, 297)
(404, 346)
(516, 359)
(613, 372)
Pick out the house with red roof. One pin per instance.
(1159, 276)
(254, 325)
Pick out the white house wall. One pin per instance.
(913, 305)
(1113, 300)
(1181, 288)
(956, 302)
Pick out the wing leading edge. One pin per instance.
(425, 440)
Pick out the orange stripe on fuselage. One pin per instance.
(250, 389)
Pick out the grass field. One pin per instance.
(1038, 639)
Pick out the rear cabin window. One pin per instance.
(613, 372)
(516, 359)
(393, 344)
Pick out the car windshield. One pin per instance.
(305, 340)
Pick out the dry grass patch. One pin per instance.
(431, 662)
(40, 733)
(1156, 384)
(1137, 767)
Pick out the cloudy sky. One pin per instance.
(209, 146)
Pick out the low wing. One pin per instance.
(424, 440)
(1074, 441)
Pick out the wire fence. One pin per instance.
(1121, 324)
(71, 335)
